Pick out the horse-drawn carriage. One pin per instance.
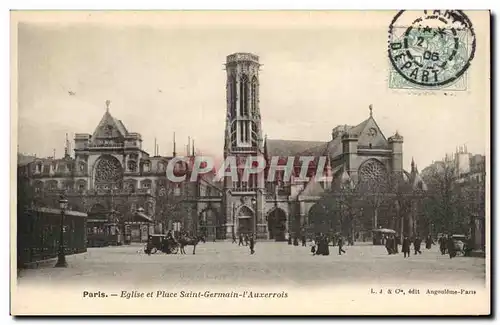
(169, 245)
(161, 243)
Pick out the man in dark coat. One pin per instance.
(389, 245)
(451, 247)
(304, 240)
(416, 245)
(295, 241)
(240, 243)
(340, 242)
(234, 238)
(406, 247)
(428, 242)
(442, 244)
(289, 239)
(252, 244)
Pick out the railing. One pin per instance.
(105, 145)
(244, 149)
(244, 189)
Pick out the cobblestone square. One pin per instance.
(223, 263)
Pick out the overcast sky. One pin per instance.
(163, 72)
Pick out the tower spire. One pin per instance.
(412, 165)
(66, 147)
(371, 110)
(174, 153)
(188, 145)
(192, 149)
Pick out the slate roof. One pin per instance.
(285, 148)
(332, 148)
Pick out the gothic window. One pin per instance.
(244, 96)
(146, 167)
(81, 186)
(39, 167)
(232, 95)
(372, 173)
(146, 183)
(82, 166)
(132, 166)
(108, 171)
(38, 186)
(161, 167)
(254, 95)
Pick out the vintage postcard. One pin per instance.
(250, 163)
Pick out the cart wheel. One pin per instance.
(174, 250)
(154, 250)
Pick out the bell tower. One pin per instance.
(243, 197)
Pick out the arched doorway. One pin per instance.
(318, 219)
(209, 224)
(276, 224)
(245, 220)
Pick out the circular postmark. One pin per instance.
(431, 47)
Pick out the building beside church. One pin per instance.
(110, 173)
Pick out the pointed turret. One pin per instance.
(173, 152)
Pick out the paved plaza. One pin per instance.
(222, 263)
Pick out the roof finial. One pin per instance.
(371, 110)
(107, 105)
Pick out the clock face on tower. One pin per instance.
(372, 132)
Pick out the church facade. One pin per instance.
(111, 172)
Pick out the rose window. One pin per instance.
(108, 171)
(372, 173)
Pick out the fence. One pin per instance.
(38, 233)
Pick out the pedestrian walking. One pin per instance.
(234, 238)
(442, 244)
(240, 243)
(246, 239)
(341, 244)
(304, 241)
(416, 245)
(389, 245)
(428, 242)
(406, 246)
(451, 247)
(252, 244)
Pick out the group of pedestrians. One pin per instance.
(320, 245)
(392, 242)
(246, 240)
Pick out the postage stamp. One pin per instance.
(313, 187)
(430, 49)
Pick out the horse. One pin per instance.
(187, 241)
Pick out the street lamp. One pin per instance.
(254, 205)
(61, 258)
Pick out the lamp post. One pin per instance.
(61, 257)
(254, 205)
